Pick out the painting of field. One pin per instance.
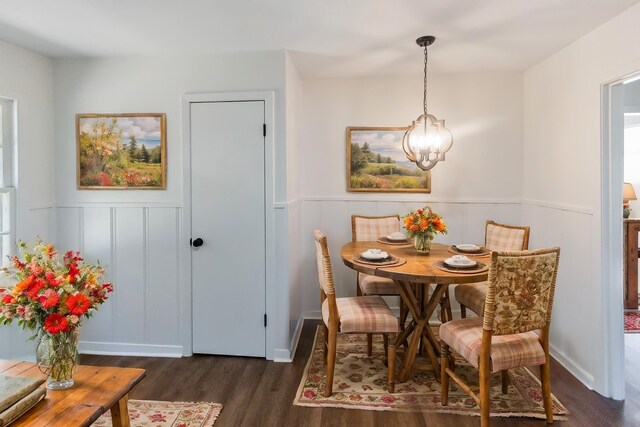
(377, 162)
(121, 151)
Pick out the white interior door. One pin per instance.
(228, 214)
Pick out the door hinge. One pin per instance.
(265, 320)
(264, 129)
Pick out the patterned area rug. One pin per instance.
(156, 413)
(632, 322)
(360, 383)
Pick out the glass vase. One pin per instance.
(57, 357)
(422, 243)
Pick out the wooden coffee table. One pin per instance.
(96, 390)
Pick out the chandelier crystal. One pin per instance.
(427, 139)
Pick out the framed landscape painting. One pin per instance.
(377, 162)
(121, 151)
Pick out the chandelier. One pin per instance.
(427, 139)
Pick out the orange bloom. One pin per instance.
(439, 224)
(56, 323)
(78, 304)
(424, 223)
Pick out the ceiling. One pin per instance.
(327, 38)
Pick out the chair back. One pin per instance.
(521, 290)
(371, 228)
(325, 273)
(503, 237)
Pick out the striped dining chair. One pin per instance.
(356, 315)
(371, 228)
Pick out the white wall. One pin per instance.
(293, 205)
(480, 179)
(27, 78)
(562, 184)
(138, 234)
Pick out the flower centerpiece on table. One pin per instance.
(51, 297)
(423, 224)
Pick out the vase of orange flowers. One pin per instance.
(51, 297)
(422, 225)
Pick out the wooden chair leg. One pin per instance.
(545, 374)
(505, 381)
(485, 396)
(391, 362)
(444, 377)
(369, 344)
(445, 308)
(463, 311)
(385, 341)
(331, 361)
(449, 312)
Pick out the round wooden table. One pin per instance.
(413, 279)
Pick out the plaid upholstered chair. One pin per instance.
(363, 314)
(519, 301)
(497, 237)
(371, 228)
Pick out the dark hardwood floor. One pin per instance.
(255, 392)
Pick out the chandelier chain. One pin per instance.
(424, 99)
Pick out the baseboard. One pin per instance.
(583, 376)
(286, 356)
(127, 349)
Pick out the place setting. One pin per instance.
(395, 239)
(378, 257)
(468, 249)
(460, 264)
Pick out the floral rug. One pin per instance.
(360, 383)
(155, 413)
(632, 322)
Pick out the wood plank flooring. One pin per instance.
(256, 392)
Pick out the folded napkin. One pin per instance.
(21, 406)
(12, 389)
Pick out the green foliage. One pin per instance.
(358, 159)
(144, 154)
(133, 148)
(390, 169)
(364, 181)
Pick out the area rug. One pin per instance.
(632, 322)
(360, 383)
(156, 413)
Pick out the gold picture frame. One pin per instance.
(376, 162)
(121, 151)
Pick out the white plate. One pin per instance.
(374, 254)
(468, 248)
(397, 237)
(460, 263)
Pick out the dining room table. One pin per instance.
(414, 272)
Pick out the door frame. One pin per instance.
(186, 316)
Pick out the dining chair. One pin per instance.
(497, 237)
(519, 302)
(371, 228)
(361, 314)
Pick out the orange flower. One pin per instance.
(439, 224)
(414, 228)
(56, 323)
(78, 304)
(424, 223)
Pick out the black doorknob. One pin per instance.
(198, 242)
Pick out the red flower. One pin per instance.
(78, 304)
(56, 323)
(51, 278)
(388, 399)
(309, 394)
(17, 263)
(49, 299)
(34, 288)
(8, 299)
(73, 272)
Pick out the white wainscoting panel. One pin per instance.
(139, 247)
(575, 314)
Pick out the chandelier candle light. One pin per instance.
(427, 139)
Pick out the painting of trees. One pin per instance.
(121, 151)
(377, 162)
